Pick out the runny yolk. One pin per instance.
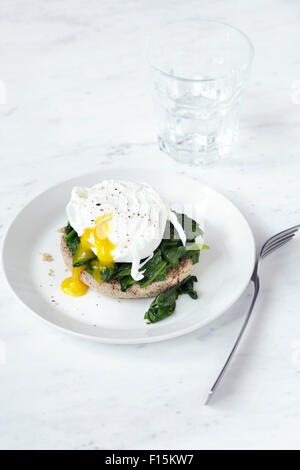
(73, 285)
(95, 237)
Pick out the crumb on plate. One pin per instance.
(46, 257)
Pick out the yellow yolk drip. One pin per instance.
(73, 285)
(95, 237)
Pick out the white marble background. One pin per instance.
(78, 98)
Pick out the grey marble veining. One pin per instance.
(78, 99)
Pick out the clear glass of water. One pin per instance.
(199, 70)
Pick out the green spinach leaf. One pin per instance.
(164, 304)
(173, 253)
(85, 262)
(72, 239)
(108, 273)
(155, 267)
(126, 282)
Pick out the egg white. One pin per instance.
(138, 218)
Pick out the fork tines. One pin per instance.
(278, 240)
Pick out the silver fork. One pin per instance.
(268, 247)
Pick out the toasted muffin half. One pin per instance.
(113, 288)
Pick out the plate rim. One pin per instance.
(131, 341)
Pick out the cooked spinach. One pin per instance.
(84, 262)
(173, 251)
(69, 228)
(123, 275)
(107, 273)
(117, 271)
(164, 304)
(126, 282)
(72, 239)
(187, 287)
(155, 268)
(166, 256)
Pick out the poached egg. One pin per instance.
(118, 221)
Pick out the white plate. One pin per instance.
(223, 272)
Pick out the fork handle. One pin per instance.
(221, 374)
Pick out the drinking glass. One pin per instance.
(199, 69)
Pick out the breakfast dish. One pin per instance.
(124, 241)
(223, 272)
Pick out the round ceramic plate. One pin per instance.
(223, 272)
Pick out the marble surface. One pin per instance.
(77, 98)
